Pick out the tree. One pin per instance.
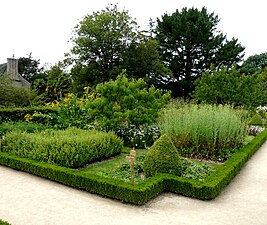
(126, 102)
(53, 83)
(107, 42)
(231, 87)
(142, 60)
(29, 67)
(254, 63)
(190, 43)
(100, 40)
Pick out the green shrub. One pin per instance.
(162, 157)
(15, 96)
(28, 127)
(205, 131)
(126, 101)
(69, 148)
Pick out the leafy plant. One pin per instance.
(205, 131)
(196, 170)
(29, 127)
(230, 87)
(12, 96)
(69, 148)
(162, 157)
(141, 136)
(126, 102)
(122, 171)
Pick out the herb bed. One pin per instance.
(140, 193)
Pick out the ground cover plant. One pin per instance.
(119, 168)
(69, 148)
(205, 131)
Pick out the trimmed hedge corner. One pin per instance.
(143, 192)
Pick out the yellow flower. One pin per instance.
(28, 117)
(35, 114)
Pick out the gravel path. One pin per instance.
(29, 200)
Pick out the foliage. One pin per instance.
(142, 60)
(29, 68)
(109, 41)
(190, 43)
(139, 194)
(162, 157)
(12, 95)
(18, 114)
(254, 64)
(28, 127)
(4, 222)
(123, 171)
(52, 84)
(126, 101)
(205, 131)
(68, 148)
(230, 87)
(71, 111)
(141, 136)
(196, 170)
(100, 41)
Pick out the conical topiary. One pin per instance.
(162, 157)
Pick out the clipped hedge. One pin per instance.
(162, 157)
(143, 192)
(17, 114)
(69, 148)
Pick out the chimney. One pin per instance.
(12, 68)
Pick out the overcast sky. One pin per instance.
(44, 27)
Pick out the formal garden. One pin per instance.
(130, 143)
(133, 121)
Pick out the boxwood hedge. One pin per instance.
(140, 193)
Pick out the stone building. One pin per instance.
(11, 68)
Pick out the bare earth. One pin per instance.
(29, 200)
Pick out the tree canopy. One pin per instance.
(231, 87)
(254, 63)
(190, 44)
(109, 41)
(29, 67)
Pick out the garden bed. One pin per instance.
(142, 192)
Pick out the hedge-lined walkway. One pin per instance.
(29, 200)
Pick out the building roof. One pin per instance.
(3, 68)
